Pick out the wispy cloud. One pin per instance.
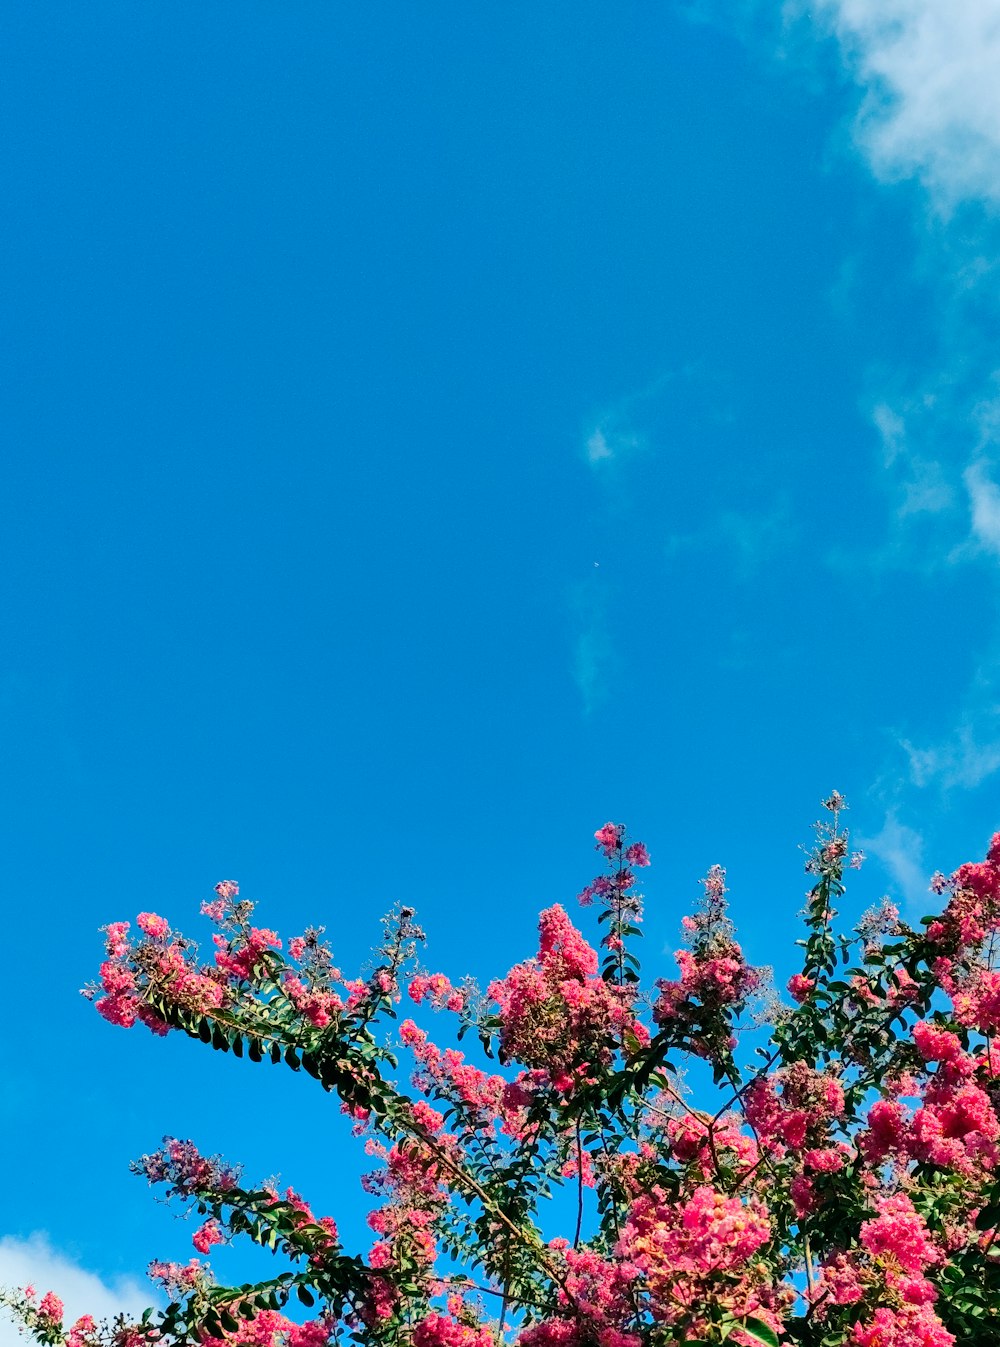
(923, 445)
(968, 753)
(900, 849)
(750, 539)
(619, 430)
(594, 658)
(929, 111)
(598, 447)
(922, 484)
(964, 761)
(923, 488)
(931, 105)
(608, 442)
(34, 1260)
(612, 438)
(984, 501)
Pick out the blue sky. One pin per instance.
(432, 431)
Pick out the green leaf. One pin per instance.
(760, 1331)
(307, 1297)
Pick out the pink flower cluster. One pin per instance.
(158, 966)
(268, 1328)
(793, 1108)
(244, 957)
(896, 1250)
(800, 987)
(188, 1173)
(411, 1181)
(50, 1308)
(436, 989)
(907, 1326)
(556, 1014)
(616, 890)
(318, 1005)
(596, 1302)
(441, 1330)
(611, 842)
(82, 1332)
(973, 910)
(696, 1253)
(715, 976)
(206, 1235)
(703, 1142)
(955, 1125)
(489, 1103)
(179, 1279)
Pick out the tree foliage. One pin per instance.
(843, 1187)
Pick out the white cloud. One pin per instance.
(926, 490)
(984, 501)
(901, 851)
(34, 1260)
(606, 442)
(964, 761)
(920, 483)
(614, 431)
(931, 109)
(892, 428)
(969, 754)
(927, 522)
(598, 447)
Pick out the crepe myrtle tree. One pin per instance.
(842, 1188)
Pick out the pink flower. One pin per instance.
(410, 1035)
(51, 1308)
(207, 1235)
(637, 855)
(426, 1116)
(899, 1232)
(609, 839)
(799, 987)
(154, 926)
(439, 1330)
(888, 1129)
(119, 1010)
(903, 1328)
(81, 1331)
(936, 1045)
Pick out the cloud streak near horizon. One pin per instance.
(34, 1261)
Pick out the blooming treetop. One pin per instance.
(841, 1191)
